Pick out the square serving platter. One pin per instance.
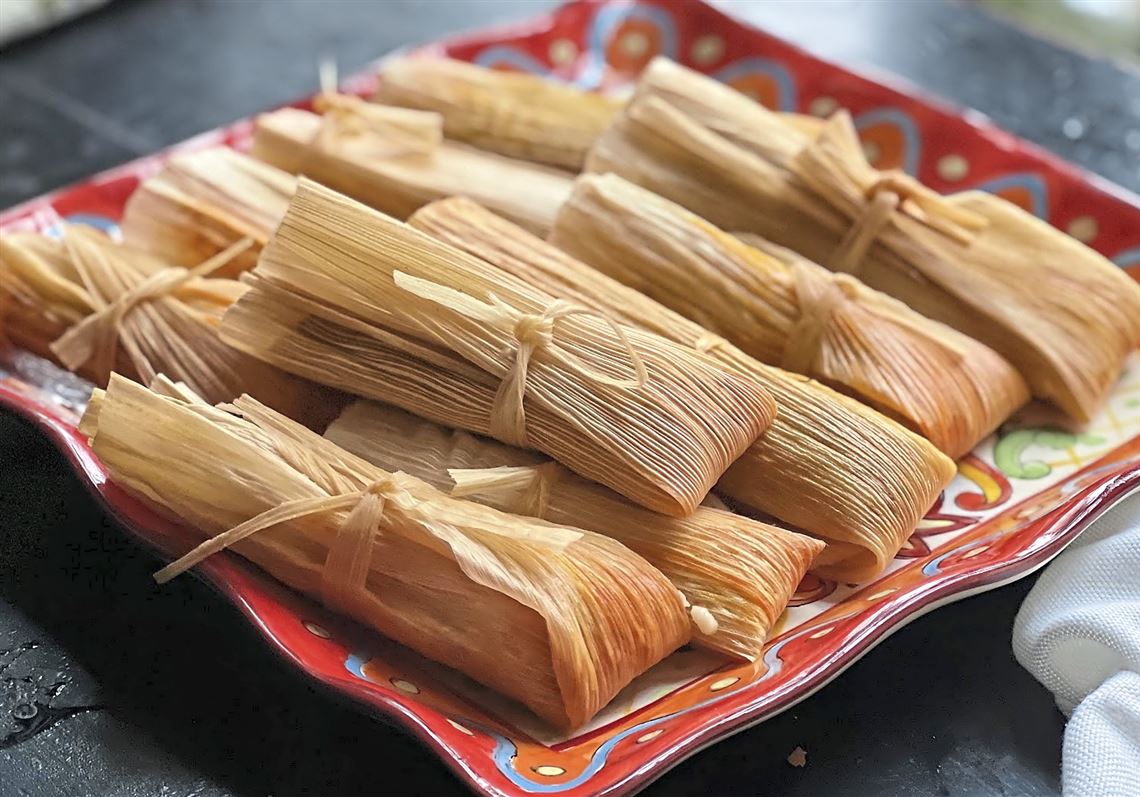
(1018, 499)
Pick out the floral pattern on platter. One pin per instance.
(1017, 499)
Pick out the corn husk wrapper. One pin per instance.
(41, 293)
(352, 298)
(739, 571)
(781, 308)
(554, 617)
(1063, 315)
(109, 307)
(295, 141)
(202, 202)
(520, 115)
(828, 465)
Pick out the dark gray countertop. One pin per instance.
(144, 690)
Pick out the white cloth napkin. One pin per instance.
(1078, 633)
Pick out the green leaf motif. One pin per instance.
(1010, 449)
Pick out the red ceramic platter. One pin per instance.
(1017, 501)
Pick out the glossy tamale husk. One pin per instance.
(741, 571)
(201, 202)
(1062, 314)
(62, 283)
(349, 297)
(828, 465)
(554, 617)
(292, 139)
(520, 115)
(782, 309)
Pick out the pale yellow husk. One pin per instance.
(202, 202)
(782, 309)
(828, 465)
(516, 114)
(107, 307)
(351, 298)
(554, 617)
(1062, 314)
(741, 571)
(295, 141)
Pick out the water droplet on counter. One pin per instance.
(1073, 128)
(24, 711)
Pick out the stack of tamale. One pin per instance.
(741, 572)
(828, 465)
(1063, 315)
(354, 299)
(783, 309)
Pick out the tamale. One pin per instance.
(975, 262)
(828, 465)
(297, 141)
(109, 307)
(554, 617)
(202, 202)
(742, 572)
(42, 292)
(782, 309)
(352, 298)
(521, 115)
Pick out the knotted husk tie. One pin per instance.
(818, 294)
(346, 567)
(351, 126)
(96, 337)
(529, 486)
(834, 166)
(533, 332)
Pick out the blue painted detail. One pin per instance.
(1129, 257)
(355, 665)
(504, 54)
(1033, 183)
(505, 750)
(606, 21)
(98, 222)
(912, 139)
(785, 82)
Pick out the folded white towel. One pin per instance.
(1078, 633)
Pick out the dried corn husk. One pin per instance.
(362, 129)
(201, 202)
(740, 571)
(40, 290)
(354, 299)
(828, 465)
(108, 307)
(975, 262)
(781, 308)
(556, 618)
(296, 141)
(521, 115)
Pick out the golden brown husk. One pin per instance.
(516, 114)
(1063, 315)
(66, 282)
(352, 298)
(828, 465)
(556, 618)
(782, 309)
(525, 192)
(202, 202)
(742, 571)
